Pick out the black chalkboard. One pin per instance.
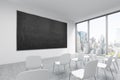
(35, 32)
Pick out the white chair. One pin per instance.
(106, 65)
(92, 57)
(33, 62)
(63, 60)
(99, 51)
(115, 57)
(88, 72)
(86, 48)
(38, 74)
(78, 58)
(114, 60)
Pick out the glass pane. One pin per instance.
(98, 36)
(82, 35)
(113, 33)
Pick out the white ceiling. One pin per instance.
(74, 10)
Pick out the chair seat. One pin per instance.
(107, 59)
(75, 59)
(113, 60)
(78, 73)
(86, 56)
(101, 65)
(57, 62)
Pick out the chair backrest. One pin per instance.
(80, 56)
(39, 74)
(65, 59)
(33, 62)
(99, 51)
(116, 54)
(109, 61)
(86, 48)
(90, 69)
(92, 51)
(93, 56)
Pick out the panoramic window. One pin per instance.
(113, 33)
(99, 35)
(82, 36)
(97, 39)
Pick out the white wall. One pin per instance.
(8, 53)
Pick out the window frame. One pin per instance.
(88, 20)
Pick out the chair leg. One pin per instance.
(76, 64)
(105, 74)
(64, 67)
(114, 67)
(111, 73)
(69, 67)
(94, 77)
(83, 63)
(97, 71)
(117, 64)
(53, 67)
(69, 76)
(41, 66)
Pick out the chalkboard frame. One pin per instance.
(36, 32)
